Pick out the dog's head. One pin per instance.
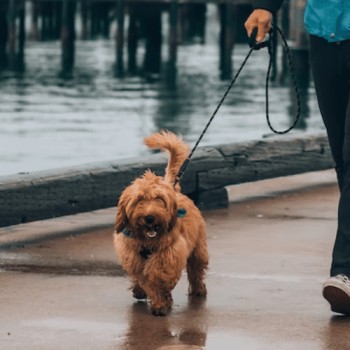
(147, 209)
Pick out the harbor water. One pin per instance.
(49, 122)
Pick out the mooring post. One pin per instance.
(120, 13)
(67, 36)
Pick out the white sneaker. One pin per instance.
(336, 290)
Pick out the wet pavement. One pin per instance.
(270, 251)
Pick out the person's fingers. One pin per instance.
(263, 29)
(261, 19)
(251, 23)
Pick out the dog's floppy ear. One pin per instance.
(121, 219)
(173, 217)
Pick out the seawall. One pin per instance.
(65, 191)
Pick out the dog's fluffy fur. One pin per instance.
(152, 241)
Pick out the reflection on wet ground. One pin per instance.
(147, 332)
(264, 283)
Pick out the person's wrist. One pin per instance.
(264, 9)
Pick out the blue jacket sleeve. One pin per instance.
(270, 5)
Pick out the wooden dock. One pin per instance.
(133, 20)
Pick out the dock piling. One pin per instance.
(228, 14)
(120, 13)
(68, 37)
(3, 33)
(173, 41)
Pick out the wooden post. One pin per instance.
(227, 38)
(84, 10)
(68, 37)
(132, 38)
(34, 31)
(284, 18)
(21, 36)
(193, 21)
(300, 47)
(120, 12)
(173, 40)
(3, 33)
(57, 20)
(299, 50)
(105, 21)
(94, 19)
(274, 44)
(153, 33)
(12, 34)
(44, 20)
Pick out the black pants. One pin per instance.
(331, 71)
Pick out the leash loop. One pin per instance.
(292, 75)
(254, 46)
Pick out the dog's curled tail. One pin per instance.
(177, 148)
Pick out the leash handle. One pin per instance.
(296, 91)
(253, 44)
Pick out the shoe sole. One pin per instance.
(338, 299)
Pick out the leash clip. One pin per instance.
(253, 44)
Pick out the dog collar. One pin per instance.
(127, 233)
(181, 212)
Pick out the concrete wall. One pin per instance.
(59, 192)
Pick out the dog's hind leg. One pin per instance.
(197, 265)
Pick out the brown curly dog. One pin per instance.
(159, 231)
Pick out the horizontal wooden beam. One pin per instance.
(47, 194)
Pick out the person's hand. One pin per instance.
(262, 19)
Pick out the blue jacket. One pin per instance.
(328, 19)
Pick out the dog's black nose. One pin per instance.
(149, 219)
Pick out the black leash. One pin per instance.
(254, 46)
(292, 75)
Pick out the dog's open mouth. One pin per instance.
(151, 234)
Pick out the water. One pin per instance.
(48, 122)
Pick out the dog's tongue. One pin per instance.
(151, 234)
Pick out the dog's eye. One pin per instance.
(161, 200)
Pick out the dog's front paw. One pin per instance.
(162, 311)
(162, 308)
(139, 293)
